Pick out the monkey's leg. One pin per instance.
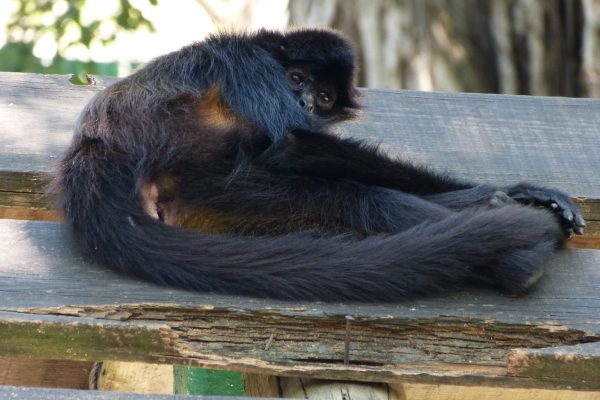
(257, 201)
(506, 247)
(509, 245)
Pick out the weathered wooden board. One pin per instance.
(572, 362)
(56, 304)
(19, 393)
(506, 139)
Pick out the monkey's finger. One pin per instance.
(572, 213)
(563, 204)
(567, 215)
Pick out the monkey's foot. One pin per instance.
(571, 218)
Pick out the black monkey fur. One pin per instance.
(215, 137)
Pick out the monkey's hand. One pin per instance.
(559, 202)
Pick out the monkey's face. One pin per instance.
(313, 95)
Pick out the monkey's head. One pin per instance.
(321, 70)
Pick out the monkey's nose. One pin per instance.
(307, 105)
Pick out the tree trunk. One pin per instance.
(495, 46)
(591, 48)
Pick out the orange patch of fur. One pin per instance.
(213, 110)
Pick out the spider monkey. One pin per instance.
(213, 169)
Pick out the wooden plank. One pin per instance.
(562, 362)
(19, 393)
(37, 116)
(57, 304)
(44, 373)
(506, 139)
(260, 385)
(135, 377)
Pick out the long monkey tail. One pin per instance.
(98, 197)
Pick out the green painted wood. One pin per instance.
(207, 382)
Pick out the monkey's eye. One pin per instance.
(296, 78)
(324, 97)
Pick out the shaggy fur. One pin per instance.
(279, 206)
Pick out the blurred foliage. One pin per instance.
(62, 22)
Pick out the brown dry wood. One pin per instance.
(505, 139)
(19, 393)
(56, 304)
(45, 373)
(260, 385)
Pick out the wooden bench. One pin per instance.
(54, 304)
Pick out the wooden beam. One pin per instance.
(44, 373)
(59, 305)
(498, 138)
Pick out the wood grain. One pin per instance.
(44, 373)
(136, 377)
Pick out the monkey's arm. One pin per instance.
(324, 155)
(317, 154)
